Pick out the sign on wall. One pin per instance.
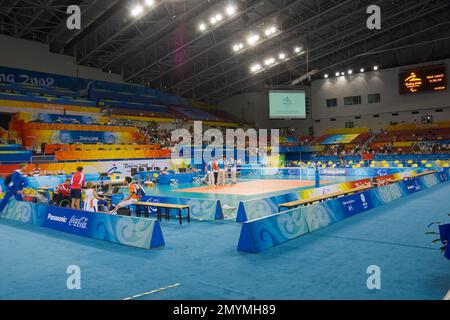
(430, 79)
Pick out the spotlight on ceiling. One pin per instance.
(202, 27)
(238, 46)
(361, 70)
(342, 73)
(350, 71)
(297, 49)
(269, 61)
(337, 74)
(281, 56)
(255, 68)
(230, 10)
(253, 39)
(270, 31)
(326, 76)
(149, 3)
(219, 17)
(213, 20)
(375, 68)
(137, 11)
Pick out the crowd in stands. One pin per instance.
(156, 135)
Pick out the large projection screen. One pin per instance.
(287, 104)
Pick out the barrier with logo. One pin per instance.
(310, 172)
(201, 209)
(94, 167)
(111, 154)
(32, 138)
(130, 231)
(258, 208)
(444, 231)
(266, 232)
(182, 178)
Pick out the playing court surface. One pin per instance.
(253, 187)
(200, 260)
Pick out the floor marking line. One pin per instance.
(373, 241)
(447, 296)
(151, 292)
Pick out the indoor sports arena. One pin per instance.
(224, 150)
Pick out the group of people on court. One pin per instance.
(72, 189)
(92, 200)
(217, 171)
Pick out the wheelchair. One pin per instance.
(60, 201)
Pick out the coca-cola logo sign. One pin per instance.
(68, 220)
(79, 222)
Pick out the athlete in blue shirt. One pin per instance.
(14, 187)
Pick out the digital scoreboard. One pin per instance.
(287, 104)
(429, 79)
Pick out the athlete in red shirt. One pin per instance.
(77, 183)
(62, 192)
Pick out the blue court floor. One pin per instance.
(233, 200)
(200, 260)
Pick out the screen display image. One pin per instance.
(430, 79)
(287, 104)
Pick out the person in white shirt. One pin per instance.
(91, 200)
(222, 177)
(210, 173)
(233, 170)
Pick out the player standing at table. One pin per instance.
(210, 173)
(215, 168)
(233, 170)
(77, 182)
(222, 178)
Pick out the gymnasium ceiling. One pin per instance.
(163, 48)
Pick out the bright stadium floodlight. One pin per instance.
(213, 20)
(342, 73)
(149, 3)
(361, 70)
(337, 74)
(256, 67)
(375, 68)
(269, 61)
(281, 56)
(230, 10)
(350, 71)
(202, 26)
(297, 49)
(219, 17)
(236, 47)
(326, 76)
(253, 39)
(270, 31)
(137, 11)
